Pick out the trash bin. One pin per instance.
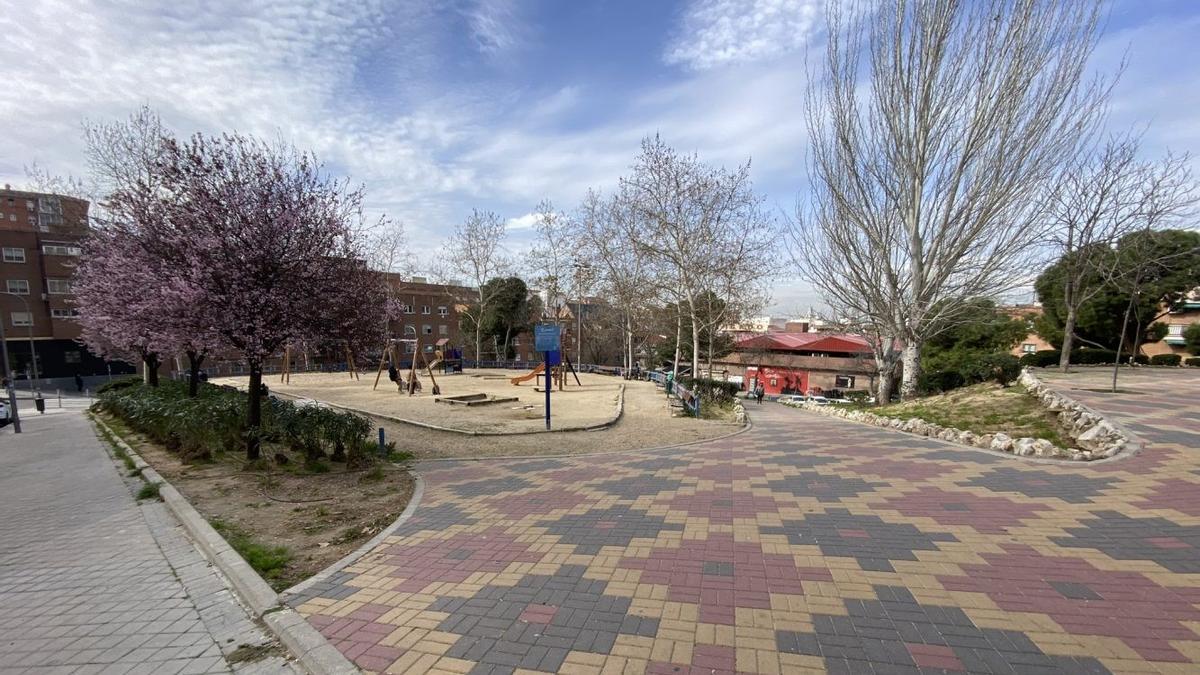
(39, 403)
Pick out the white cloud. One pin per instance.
(494, 25)
(525, 222)
(721, 32)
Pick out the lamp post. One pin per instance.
(12, 392)
(32, 349)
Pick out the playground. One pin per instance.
(474, 400)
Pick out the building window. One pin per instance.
(443, 311)
(1175, 330)
(58, 286)
(22, 319)
(427, 330)
(424, 309)
(14, 255)
(72, 357)
(1028, 348)
(407, 309)
(429, 348)
(410, 348)
(844, 381)
(17, 286)
(443, 329)
(64, 313)
(29, 204)
(12, 217)
(410, 330)
(59, 249)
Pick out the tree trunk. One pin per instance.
(885, 384)
(194, 361)
(254, 414)
(678, 337)
(150, 368)
(912, 370)
(1064, 360)
(1121, 342)
(478, 341)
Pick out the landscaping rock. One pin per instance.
(1002, 442)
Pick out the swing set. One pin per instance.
(390, 358)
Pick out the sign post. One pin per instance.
(547, 338)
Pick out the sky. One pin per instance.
(441, 107)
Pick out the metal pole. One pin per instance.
(12, 392)
(32, 350)
(549, 386)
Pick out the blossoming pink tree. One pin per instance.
(270, 246)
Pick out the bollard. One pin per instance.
(58, 392)
(39, 403)
(382, 445)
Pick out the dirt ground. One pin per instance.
(318, 518)
(646, 422)
(594, 402)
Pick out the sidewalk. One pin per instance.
(91, 581)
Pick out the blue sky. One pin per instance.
(441, 107)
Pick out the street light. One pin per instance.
(32, 349)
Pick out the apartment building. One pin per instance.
(40, 237)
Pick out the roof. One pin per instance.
(808, 342)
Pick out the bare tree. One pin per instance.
(473, 254)
(1107, 194)
(41, 179)
(552, 256)
(925, 180)
(700, 223)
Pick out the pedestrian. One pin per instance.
(758, 393)
(78, 383)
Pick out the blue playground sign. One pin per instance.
(547, 337)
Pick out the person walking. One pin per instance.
(78, 383)
(758, 393)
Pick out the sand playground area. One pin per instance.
(647, 420)
(593, 401)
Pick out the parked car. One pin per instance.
(791, 398)
(4, 420)
(819, 400)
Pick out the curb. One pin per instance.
(312, 652)
(466, 432)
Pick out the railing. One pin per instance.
(690, 401)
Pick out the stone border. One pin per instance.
(1098, 438)
(425, 425)
(309, 647)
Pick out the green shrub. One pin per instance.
(118, 384)
(1165, 360)
(1193, 362)
(268, 561)
(1002, 369)
(711, 391)
(1191, 338)
(1089, 356)
(938, 381)
(1043, 359)
(214, 422)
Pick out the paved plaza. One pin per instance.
(805, 544)
(91, 581)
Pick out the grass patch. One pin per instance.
(268, 561)
(149, 491)
(373, 476)
(984, 409)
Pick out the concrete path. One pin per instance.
(91, 581)
(809, 544)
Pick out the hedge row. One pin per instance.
(214, 422)
(1089, 356)
(971, 369)
(711, 391)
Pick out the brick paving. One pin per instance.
(808, 544)
(91, 581)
